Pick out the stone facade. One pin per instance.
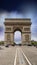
(12, 25)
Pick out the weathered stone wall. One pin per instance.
(23, 25)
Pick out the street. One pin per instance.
(18, 55)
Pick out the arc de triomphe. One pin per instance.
(12, 25)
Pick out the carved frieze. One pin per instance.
(17, 27)
(26, 37)
(8, 37)
(26, 29)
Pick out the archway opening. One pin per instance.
(17, 37)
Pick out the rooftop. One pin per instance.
(17, 18)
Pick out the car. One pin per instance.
(7, 45)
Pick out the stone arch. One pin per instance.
(17, 29)
(23, 25)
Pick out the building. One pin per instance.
(22, 25)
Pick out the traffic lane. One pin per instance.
(7, 56)
(20, 58)
(31, 53)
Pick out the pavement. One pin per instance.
(20, 58)
(7, 55)
(18, 55)
(31, 53)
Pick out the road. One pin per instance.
(18, 55)
(7, 56)
(20, 60)
(31, 53)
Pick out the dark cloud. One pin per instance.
(16, 5)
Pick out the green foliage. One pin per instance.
(1, 42)
(34, 43)
(14, 43)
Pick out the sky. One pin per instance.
(19, 9)
(17, 37)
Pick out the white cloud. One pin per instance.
(15, 14)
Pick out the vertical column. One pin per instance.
(12, 38)
(8, 38)
(26, 38)
(23, 38)
(5, 38)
